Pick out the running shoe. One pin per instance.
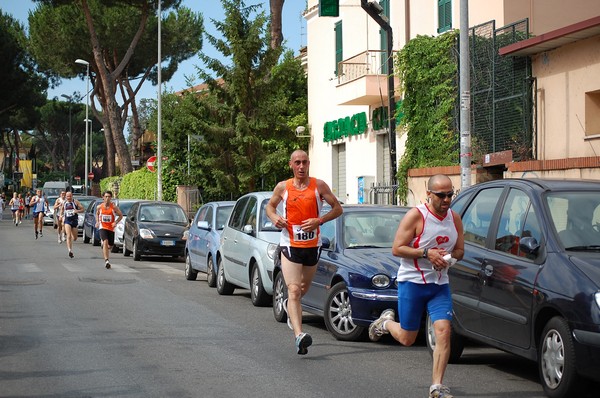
(439, 391)
(289, 321)
(71, 254)
(36, 234)
(59, 240)
(107, 264)
(303, 341)
(376, 329)
(41, 234)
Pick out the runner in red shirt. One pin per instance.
(108, 216)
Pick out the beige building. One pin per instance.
(347, 89)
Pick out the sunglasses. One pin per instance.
(443, 195)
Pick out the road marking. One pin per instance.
(29, 267)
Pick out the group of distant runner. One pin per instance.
(66, 220)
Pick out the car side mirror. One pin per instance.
(248, 229)
(325, 242)
(203, 225)
(529, 245)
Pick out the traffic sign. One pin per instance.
(150, 163)
(91, 176)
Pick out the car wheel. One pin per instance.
(556, 360)
(137, 256)
(211, 275)
(126, 252)
(190, 273)
(457, 344)
(223, 287)
(279, 296)
(95, 240)
(86, 239)
(338, 315)
(258, 295)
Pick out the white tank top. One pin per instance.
(437, 233)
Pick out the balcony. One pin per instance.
(361, 80)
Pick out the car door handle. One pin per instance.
(488, 270)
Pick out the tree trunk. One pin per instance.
(276, 24)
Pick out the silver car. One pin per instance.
(248, 245)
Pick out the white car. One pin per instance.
(248, 245)
(124, 205)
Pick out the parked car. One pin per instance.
(89, 230)
(204, 239)
(124, 205)
(529, 282)
(155, 229)
(85, 202)
(49, 214)
(356, 274)
(248, 243)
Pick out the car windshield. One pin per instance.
(369, 229)
(85, 202)
(576, 218)
(163, 213)
(223, 213)
(124, 206)
(265, 222)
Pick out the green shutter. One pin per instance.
(339, 50)
(329, 8)
(444, 15)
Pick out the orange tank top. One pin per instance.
(107, 216)
(299, 205)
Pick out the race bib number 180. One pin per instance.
(303, 236)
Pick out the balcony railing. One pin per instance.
(370, 62)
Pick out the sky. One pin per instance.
(294, 32)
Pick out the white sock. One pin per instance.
(383, 326)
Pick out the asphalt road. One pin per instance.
(71, 328)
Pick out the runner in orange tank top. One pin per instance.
(300, 241)
(106, 221)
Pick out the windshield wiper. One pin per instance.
(588, 247)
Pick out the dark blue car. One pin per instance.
(529, 282)
(203, 240)
(356, 275)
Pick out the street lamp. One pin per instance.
(87, 104)
(68, 97)
(91, 169)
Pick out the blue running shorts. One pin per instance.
(414, 298)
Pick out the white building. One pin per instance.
(347, 85)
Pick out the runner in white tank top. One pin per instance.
(438, 233)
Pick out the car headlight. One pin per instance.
(120, 227)
(146, 233)
(380, 281)
(597, 297)
(186, 235)
(271, 250)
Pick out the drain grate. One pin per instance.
(22, 282)
(108, 281)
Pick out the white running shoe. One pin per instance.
(289, 321)
(439, 391)
(376, 329)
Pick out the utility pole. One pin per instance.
(374, 10)
(465, 97)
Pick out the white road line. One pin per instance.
(29, 267)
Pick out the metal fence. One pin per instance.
(503, 106)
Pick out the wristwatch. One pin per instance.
(425, 253)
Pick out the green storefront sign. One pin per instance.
(345, 127)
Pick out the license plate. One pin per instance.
(167, 242)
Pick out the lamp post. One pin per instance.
(68, 97)
(91, 166)
(87, 104)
